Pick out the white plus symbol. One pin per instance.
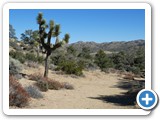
(147, 99)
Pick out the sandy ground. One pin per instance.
(86, 89)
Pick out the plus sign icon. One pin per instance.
(147, 99)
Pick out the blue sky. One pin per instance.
(98, 25)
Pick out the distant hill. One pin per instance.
(109, 46)
(93, 46)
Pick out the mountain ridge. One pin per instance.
(109, 46)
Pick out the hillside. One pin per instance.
(109, 46)
(93, 46)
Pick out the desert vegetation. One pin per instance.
(50, 67)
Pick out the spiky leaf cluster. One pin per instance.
(54, 31)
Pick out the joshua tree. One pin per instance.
(54, 31)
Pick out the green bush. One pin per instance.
(31, 57)
(40, 59)
(70, 67)
(119, 60)
(103, 61)
(14, 66)
(71, 50)
(43, 85)
(57, 59)
(34, 58)
(17, 55)
(130, 61)
(28, 56)
(85, 53)
(135, 70)
(87, 64)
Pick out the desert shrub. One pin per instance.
(17, 55)
(135, 70)
(31, 57)
(82, 63)
(58, 57)
(87, 64)
(43, 85)
(46, 83)
(92, 66)
(70, 60)
(103, 61)
(33, 92)
(35, 76)
(71, 50)
(112, 70)
(52, 84)
(119, 60)
(139, 60)
(17, 94)
(40, 59)
(130, 61)
(14, 66)
(70, 67)
(14, 45)
(52, 67)
(32, 64)
(129, 76)
(85, 53)
(67, 86)
(136, 86)
(85, 59)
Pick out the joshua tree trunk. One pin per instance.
(37, 51)
(46, 66)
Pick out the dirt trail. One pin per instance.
(86, 90)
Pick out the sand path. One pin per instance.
(86, 89)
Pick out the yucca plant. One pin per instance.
(54, 31)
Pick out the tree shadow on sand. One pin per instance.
(122, 100)
(129, 85)
(126, 98)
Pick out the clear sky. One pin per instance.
(103, 25)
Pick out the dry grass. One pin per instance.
(32, 64)
(129, 76)
(17, 94)
(56, 85)
(47, 83)
(35, 77)
(53, 84)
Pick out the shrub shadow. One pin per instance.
(130, 84)
(126, 98)
(120, 100)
